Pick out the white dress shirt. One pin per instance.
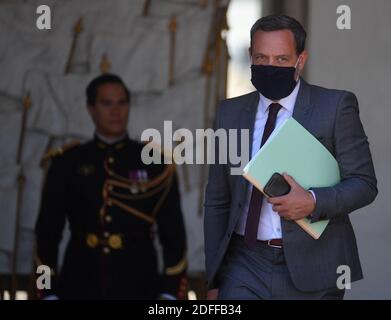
(269, 222)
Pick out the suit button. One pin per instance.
(240, 206)
(108, 219)
(111, 160)
(106, 250)
(106, 234)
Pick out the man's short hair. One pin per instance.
(280, 22)
(95, 84)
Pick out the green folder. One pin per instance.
(294, 150)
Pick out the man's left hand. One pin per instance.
(297, 204)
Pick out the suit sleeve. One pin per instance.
(217, 204)
(172, 237)
(358, 186)
(51, 219)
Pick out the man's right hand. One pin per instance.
(212, 294)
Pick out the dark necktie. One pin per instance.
(254, 211)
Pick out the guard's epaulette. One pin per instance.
(58, 151)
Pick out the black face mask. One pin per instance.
(273, 82)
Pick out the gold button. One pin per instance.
(92, 240)
(106, 250)
(108, 219)
(115, 241)
(111, 160)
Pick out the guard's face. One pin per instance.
(111, 110)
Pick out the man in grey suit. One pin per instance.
(253, 247)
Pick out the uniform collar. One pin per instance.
(104, 143)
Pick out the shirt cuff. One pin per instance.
(313, 194)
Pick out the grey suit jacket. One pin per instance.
(332, 116)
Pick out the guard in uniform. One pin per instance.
(115, 204)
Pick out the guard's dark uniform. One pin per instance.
(112, 200)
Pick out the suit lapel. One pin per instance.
(248, 114)
(303, 106)
(247, 121)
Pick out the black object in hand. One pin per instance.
(277, 186)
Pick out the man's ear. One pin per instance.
(303, 59)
